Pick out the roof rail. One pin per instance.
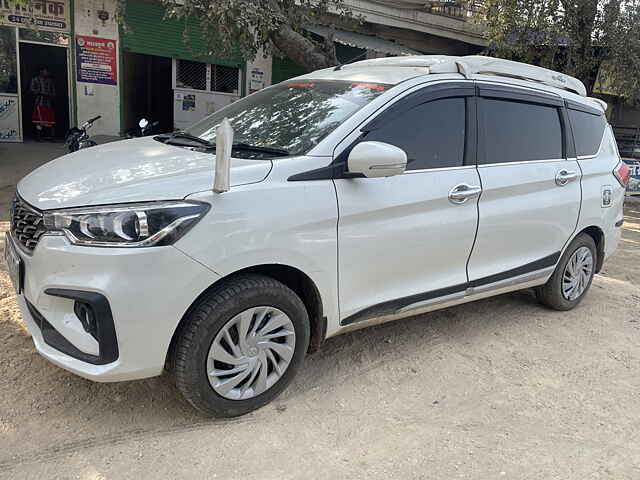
(481, 65)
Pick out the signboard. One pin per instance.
(96, 60)
(634, 182)
(256, 80)
(9, 119)
(43, 14)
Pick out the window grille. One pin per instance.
(191, 74)
(224, 79)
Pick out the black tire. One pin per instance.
(550, 294)
(204, 321)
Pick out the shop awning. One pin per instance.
(359, 40)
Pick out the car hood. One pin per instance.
(141, 169)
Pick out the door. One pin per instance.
(401, 240)
(147, 91)
(531, 193)
(35, 57)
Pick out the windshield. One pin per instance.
(291, 117)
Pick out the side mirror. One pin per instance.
(376, 159)
(143, 123)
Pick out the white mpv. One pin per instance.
(358, 194)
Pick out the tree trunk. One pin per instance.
(302, 50)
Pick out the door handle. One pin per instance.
(463, 192)
(565, 176)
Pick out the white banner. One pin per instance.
(9, 119)
(43, 14)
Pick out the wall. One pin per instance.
(258, 70)
(396, 14)
(95, 99)
(421, 41)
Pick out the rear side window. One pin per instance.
(432, 134)
(587, 131)
(519, 131)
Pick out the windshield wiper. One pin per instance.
(187, 140)
(258, 148)
(179, 138)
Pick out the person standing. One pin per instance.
(44, 115)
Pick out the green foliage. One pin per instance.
(248, 26)
(573, 36)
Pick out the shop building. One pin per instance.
(22, 51)
(161, 69)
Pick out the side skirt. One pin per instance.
(516, 279)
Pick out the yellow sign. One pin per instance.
(604, 84)
(41, 14)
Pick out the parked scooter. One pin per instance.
(78, 138)
(145, 128)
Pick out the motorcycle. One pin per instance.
(145, 128)
(78, 138)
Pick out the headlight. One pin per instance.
(126, 225)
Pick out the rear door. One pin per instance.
(530, 178)
(402, 241)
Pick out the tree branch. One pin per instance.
(301, 50)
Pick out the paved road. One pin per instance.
(501, 388)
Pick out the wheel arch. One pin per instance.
(292, 277)
(597, 234)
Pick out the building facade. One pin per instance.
(159, 68)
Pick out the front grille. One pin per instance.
(27, 224)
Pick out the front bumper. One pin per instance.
(147, 290)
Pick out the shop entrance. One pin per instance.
(33, 58)
(147, 91)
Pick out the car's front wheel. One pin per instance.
(572, 277)
(241, 345)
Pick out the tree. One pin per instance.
(273, 26)
(577, 37)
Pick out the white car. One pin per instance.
(358, 194)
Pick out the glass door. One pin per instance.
(10, 115)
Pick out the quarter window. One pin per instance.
(432, 134)
(587, 131)
(519, 131)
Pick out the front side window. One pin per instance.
(432, 134)
(292, 116)
(587, 131)
(519, 131)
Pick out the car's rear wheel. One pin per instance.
(572, 277)
(241, 345)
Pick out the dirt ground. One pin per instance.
(501, 388)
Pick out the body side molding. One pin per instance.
(443, 295)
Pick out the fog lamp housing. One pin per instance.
(87, 318)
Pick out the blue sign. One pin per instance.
(634, 182)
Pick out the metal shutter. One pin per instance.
(148, 32)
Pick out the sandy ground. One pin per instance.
(501, 388)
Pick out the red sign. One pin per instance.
(96, 60)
